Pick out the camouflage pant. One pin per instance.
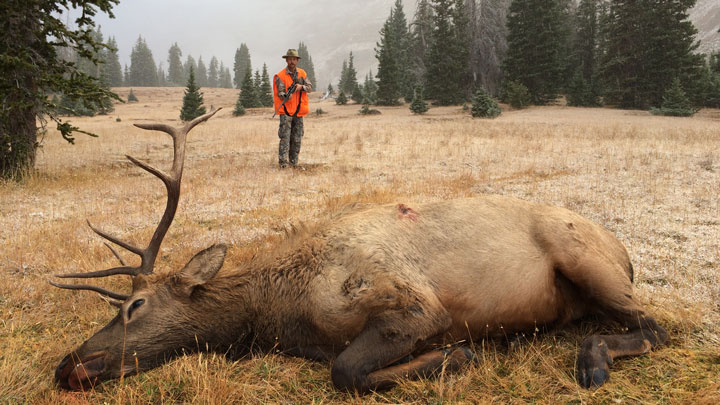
(290, 133)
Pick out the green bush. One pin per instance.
(341, 99)
(418, 105)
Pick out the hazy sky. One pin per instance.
(269, 27)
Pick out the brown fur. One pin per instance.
(374, 284)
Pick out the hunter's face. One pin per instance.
(292, 62)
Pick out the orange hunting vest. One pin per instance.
(297, 98)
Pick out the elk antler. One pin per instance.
(149, 254)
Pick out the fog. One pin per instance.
(330, 29)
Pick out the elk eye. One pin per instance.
(135, 305)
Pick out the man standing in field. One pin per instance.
(294, 108)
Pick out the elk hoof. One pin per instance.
(459, 357)
(593, 363)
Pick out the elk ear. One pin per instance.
(201, 268)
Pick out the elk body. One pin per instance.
(380, 291)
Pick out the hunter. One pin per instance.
(290, 92)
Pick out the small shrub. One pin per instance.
(320, 112)
(118, 119)
(418, 105)
(516, 94)
(675, 102)
(484, 106)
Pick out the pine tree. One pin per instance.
(418, 104)
(341, 98)
(265, 95)
(330, 90)
(349, 81)
(343, 76)
(393, 58)
(248, 95)
(31, 67)
(536, 41)
(446, 63)
(201, 73)
(176, 75)
(648, 43)
(113, 69)
(189, 65)
(143, 71)
(213, 73)
(126, 76)
(242, 64)
(370, 88)
(584, 89)
(305, 63)
(484, 106)
(192, 101)
(675, 102)
(516, 94)
(132, 98)
(239, 109)
(357, 94)
(225, 77)
(162, 78)
(420, 38)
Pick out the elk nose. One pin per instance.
(62, 372)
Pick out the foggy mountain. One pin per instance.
(329, 28)
(706, 17)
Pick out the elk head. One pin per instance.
(151, 326)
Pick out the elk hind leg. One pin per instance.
(609, 291)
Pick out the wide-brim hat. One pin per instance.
(291, 52)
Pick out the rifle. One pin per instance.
(289, 94)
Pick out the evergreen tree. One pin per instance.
(648, 43)
(201, 75)
(126, 76)
(213, 73)
(370, 88)
(239, 109)
(132, 98)
(113, 69)
(420, 38)
(176, 75)
(257, 83)
(675, 102)
(242, 64)
(349, 80)
(32, 68)
(341, 98)
(446, 64)
(143, 71)
(484, 106)
(418, 104)
(190, 64)
(305, 63)
(192, 101)
(343, 76)
(330, 90)
(248, 96)
(516, 94)
(536, 40)
(393, 57)
(357, 94)
(225, 77)
(584, 88)
(162, 78)
(265, 95)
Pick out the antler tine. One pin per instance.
(116, 254)
(97, 289)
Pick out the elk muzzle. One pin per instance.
(78, 374)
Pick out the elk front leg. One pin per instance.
(366, 365)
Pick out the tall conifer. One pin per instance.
(176, 75)
(242, 64)
(193, 100)
(143, 71)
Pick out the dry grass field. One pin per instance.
(653, 181)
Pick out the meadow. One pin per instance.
(653, 181)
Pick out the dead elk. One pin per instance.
(370, 288)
